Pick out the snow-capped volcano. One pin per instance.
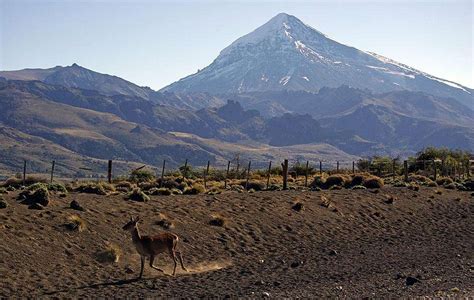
(286, 54)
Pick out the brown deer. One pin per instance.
(150, 246)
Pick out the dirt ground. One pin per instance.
(357, 244)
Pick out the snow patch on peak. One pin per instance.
(284, 80)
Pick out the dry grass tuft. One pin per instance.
(75, 223)
(138, 195)
(217, 220)
(164, 222)
(111, 254)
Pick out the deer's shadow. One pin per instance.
(98, 285)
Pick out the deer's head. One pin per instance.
(131, 224)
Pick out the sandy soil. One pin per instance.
(359, 246)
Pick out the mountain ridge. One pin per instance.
(286, 54)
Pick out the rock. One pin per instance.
(75, 205)
(411, 280)
(3, 204)
(266, 295)
(129, 270)
(298, 206)
(296, 264)
(36, 205)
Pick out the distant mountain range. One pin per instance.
(286, 54)
(283, 91)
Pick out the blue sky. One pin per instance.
(154, 43)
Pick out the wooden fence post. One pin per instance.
(268, 174)
(52, 170)
(337, 167)
(24, 172)
(434, 170)
(320, 168)
(353, 167)
(205, 175)
(109, 171)
(393, 169)
(185, 168)
(248, 176)
(285, 174)
(227, 174)
(405, 169)
(163, 173)
(306, 174)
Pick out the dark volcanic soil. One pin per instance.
(359, 246)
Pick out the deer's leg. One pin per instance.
(180, 257)
(173, 255)
(142, 265)
(152, 258)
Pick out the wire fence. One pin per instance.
(119, 169)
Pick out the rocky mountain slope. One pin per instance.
(286, 54)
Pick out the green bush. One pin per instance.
(255, 185)
(194, 190)
(39, 195)
(91, 188)
(138, 195)
(142, 175)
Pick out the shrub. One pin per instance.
(124, 185)
(18, 182)
(194, 190)
(335, 187)
(400, 184)
(168, 183)
(36, 186)
(91, 188)
(338, 180)
(39, 195)
(3, 190)
(176, 192)
(217, 220)
(142, 175)
(450, 186)
(318, 181)
(3, 203)
(358, 187)
(75, 223)
(444, 180)
(255, 185)
(111, 254)
(138, 195)
(469, 185)
(160, 191)
(357, 180)
(57, 187)
(431, 183)
(373, 182)
(414, 187)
